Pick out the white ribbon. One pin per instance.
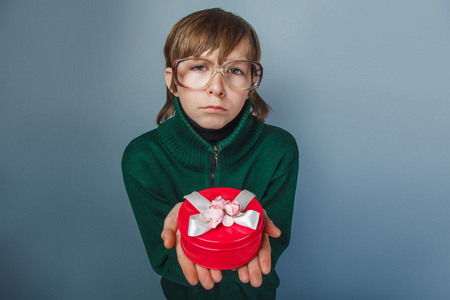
(199, 226)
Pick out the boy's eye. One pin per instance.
(235, 71)
(199, 68)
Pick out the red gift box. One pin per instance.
(221, 248)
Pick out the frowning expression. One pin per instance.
(218, 104)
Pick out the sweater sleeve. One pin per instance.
(278, 196)
(150, 210)
(278, 199)
(278, 202)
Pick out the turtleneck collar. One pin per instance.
(183, 142)
(214, 135)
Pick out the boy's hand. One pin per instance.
(193, 273)
(170, 227)
(262, 263)
(252, 271)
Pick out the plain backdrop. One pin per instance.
(364, 86)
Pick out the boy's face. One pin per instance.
(216, 105)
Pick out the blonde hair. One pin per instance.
(210, 29)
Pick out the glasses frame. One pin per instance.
(219, 69)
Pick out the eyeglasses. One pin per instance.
(197, 73)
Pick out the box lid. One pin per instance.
(222, 237)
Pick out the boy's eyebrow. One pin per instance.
(245, 57)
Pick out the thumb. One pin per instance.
(270, 228)
(169, 231)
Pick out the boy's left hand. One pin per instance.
(262, 263)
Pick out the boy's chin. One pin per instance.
(214, 123)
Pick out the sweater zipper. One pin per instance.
(214, 163)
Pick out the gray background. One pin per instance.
(362, 85)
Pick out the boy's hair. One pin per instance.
(210, 29)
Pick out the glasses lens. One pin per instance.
(197, 73)
(242, 75)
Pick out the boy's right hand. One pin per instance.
(193, 273)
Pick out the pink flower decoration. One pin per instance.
(219, 202)
(227, 221)
(214, 215)
(233, 208)
(221, 211)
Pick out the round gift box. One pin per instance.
(222, 247)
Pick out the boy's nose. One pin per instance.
(216, 86)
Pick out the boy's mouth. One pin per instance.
(214, 109)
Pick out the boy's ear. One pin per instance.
(169, 81)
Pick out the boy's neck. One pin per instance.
(214, 135)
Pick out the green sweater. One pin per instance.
(162, 165)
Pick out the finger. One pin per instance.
(168, 237)
(243, 274)
(265, 260)
(187, 266)
(205, 278)
(270, 227)
(169, 230)
(216, 275)
(254, 272)
(170, 227)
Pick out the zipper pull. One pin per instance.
(216, 155)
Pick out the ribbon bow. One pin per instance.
(198, 225)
